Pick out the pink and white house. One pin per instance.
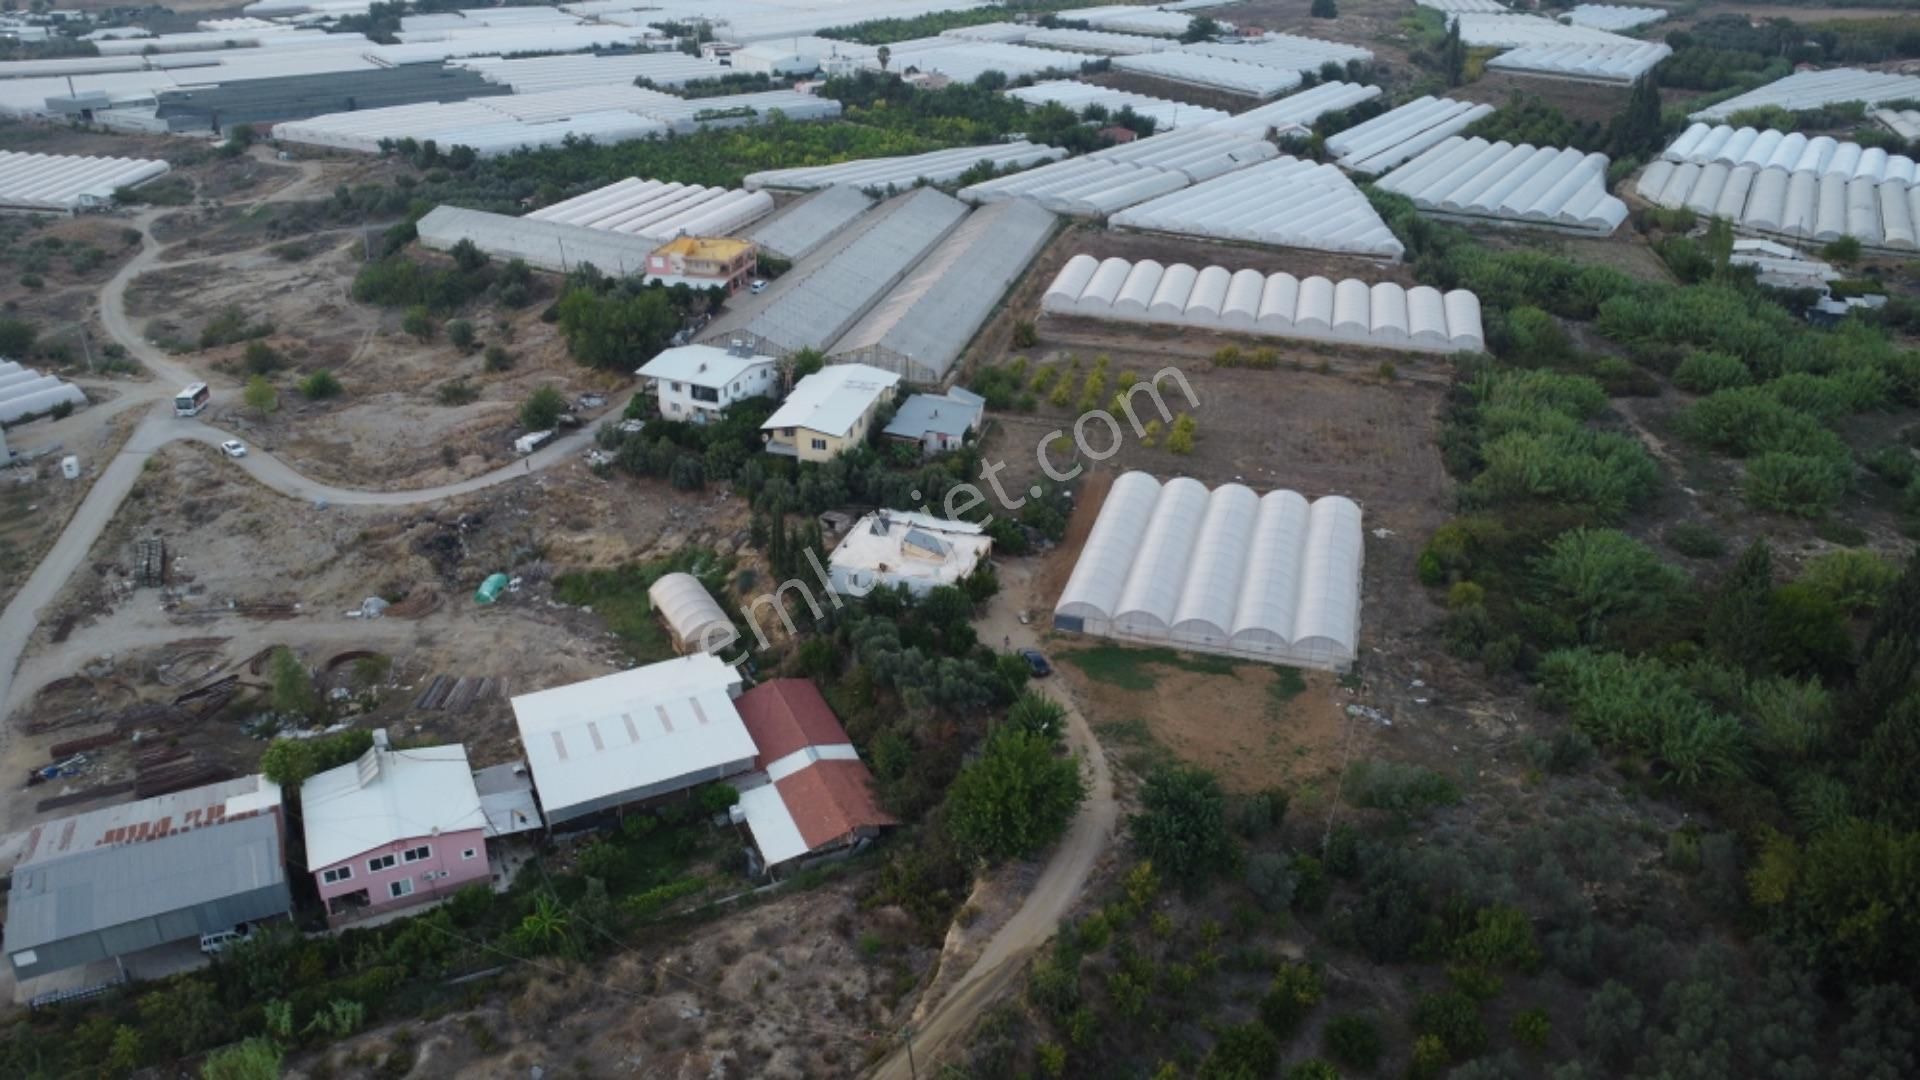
(394, 829)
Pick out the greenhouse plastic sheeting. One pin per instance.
(1297, 111)
(1285, 52)
(1518, 185)
(1285, 203)
(1383, 315)
(62, 183)
(1516, 31)
(1215, 73)
(807, 223)
(920, 328)
(1167, 115)
(1613, 17)
(1804, 205)
(660, 211)
(1707, 144)
(1120, 176)
(1396, 136)
(1272, 578)
(545, 244)
(1617, 63)
(539, 73)
(1812, 89)
(939, 167)
(820, 299)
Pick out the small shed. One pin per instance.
(691, 614)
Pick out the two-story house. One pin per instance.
(703, 262)
(393, 829)
(829, 411)
(699, 383)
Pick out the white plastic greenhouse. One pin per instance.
(1613, 17)
(63, 184)
(920, 328)
(1812, 89)
(1902, 122)
(1284, 203)
(1098, 42)
(1461, 7)
(660, 211)
(534, 74)
(1285, 52)
(694, 617)
(1272, 578)
(807, 223)
(1516, 185)
(965, 61)
(1297, 111)
(1613, 63)
(1705, 144)
(822, 297)
(1393, 137)
(1512, 31)
(1129, 19)
(1167, 115)
(938, 166)
(1212, 72)
(25, 392)
(545, 244)
(1384, 315)
(1805, 205)
(1120, 176)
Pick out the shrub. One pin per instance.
(1182, 824)
(1705, 372)
(1531, 1027)
(1853, 580)
(1798, 484)
(1024, 335)
(1695, 540)
(1598, 578)
(460, 333)
(1180, 436)
(1270, 878)
(1354, 1041)
(320, 385)
(261, 358)
(457, 392)
(16, 338)
(260, 395)
(497, 359)
(418, 322)
(1404, 790)
(1454, 1019)
(542, 410)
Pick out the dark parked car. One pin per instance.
(1037, 662)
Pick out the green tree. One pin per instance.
(460, 332)
(1296, 991)
(291, 685)
(542, 409)
(614, 331)
(16, 338)
(1737, 619)
(1638, 130)
(805, 362)
(1016, 799)
(1182, 825)
(1324, 9)
(1354, 1040)
(1200, 28)
(1036, 713)
(1601, 578)
(260, 395)
(1243, 1052)
(1453, 55)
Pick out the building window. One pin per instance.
(819, 444)
(384, 862)
(676, 388)
(416, 854)
(338, 873)
(398, 889)
(468, 854)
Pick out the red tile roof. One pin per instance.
(829, 800)
(784, 715)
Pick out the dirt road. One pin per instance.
(938, 1031)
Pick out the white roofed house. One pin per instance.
(829, 411)
(938, 422)
(892, 548)
(699, 383)
(396, 828)
(633, 736)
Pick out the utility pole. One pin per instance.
(86, 348)
(912, 1066)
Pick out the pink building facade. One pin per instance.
(416, 870)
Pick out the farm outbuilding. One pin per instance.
(1392, 138)
(1383, 315)
(1272, 578)
(691, 613)
(65, 183)
(920, 328)
(1286, 202)
(1502, 183)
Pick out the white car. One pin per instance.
(220, 940)
(758, 285)
(234, 448)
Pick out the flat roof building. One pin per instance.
(633, 736)
(703, 262)
(938, 422)
(898, 547)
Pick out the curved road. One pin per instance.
(160, 427)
